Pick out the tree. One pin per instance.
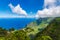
(21, 35)
(3, 32)
(11, 29)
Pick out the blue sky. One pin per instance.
(29, 7)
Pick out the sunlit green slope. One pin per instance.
(37, 26)
(51, 32)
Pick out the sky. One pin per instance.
(29, 8)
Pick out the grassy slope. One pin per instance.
(33, 28)
(52, 30)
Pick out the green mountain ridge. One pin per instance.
(34, 28)
(51, 32)
(48, 29)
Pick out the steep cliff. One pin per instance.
(51, 32)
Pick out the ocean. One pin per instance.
(17, 23)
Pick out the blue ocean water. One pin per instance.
(16, 23)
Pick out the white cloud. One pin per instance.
(17, 9)
(16, 16)
(51, 11)
(49, 3)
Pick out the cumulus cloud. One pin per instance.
(17, 9)
(49, 3)
(51, 11)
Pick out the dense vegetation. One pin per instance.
(34, 31)
(13, 35)
(51, 32)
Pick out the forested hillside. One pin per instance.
(51, 32)
(47, 29)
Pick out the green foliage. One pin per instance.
(52, 31)
(18, 35)
(21, 35)
(14, 35)
(11, 29)
(43, 38)
(3, 32)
